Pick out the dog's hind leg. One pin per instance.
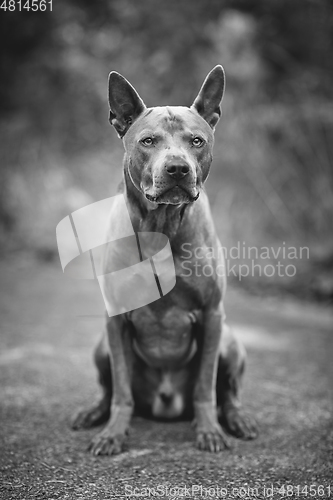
(231, 367)
(100, 411)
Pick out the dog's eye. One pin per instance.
(197, 142)
(147, 141)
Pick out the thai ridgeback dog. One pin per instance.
(176, 357)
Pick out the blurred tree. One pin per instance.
(295, 39)
(21, 35)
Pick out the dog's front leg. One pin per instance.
(210, 435)
(112, 438)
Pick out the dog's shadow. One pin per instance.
(146, 431)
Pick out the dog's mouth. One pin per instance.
(173, 196)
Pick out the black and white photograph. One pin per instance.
(166, 249)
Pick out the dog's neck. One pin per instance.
(152, 217)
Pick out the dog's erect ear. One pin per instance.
(125, 103)
(208, 101)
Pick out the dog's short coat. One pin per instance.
(175, 357)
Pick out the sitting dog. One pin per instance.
(175, 357)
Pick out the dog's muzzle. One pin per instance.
(175, 185)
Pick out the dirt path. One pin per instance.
(48, 329)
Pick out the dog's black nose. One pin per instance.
(166, 398)
(177, 171)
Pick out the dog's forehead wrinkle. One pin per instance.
(148, 112)
(164, 120)
(173, 113)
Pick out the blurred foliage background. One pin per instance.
(271, 182)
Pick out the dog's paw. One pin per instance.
(105, 443)
(239, 424)
(84, 419)
(213, 440)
